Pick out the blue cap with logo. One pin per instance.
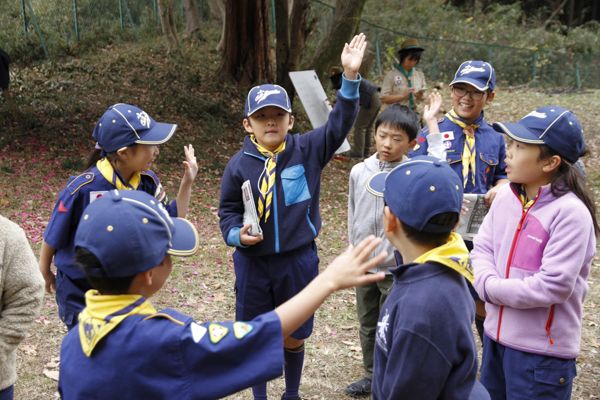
(266, 96)
(479, 74)
(419, 189)
(129, 231)
(554, 126)
(123, 125)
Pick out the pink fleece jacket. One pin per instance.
(531, 270)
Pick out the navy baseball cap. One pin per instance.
(129, 231)
(479, 74)
(554, 126)
(123, 125)
(266, 96)
(419, 189)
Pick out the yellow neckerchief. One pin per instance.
(468, 159)
(453, 254)
(104, 312)
(114, 177)
(526, 203)
(265, 191)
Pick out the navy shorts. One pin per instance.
(514, 374)
(8, 393)
(70, 297)
(266, 282)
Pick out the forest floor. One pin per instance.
(49, 137)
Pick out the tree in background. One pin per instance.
(165, 12)
(192, 23)
(345, 26)
(246, 43)
(292, 34)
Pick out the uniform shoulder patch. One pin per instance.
(163, 315)
(217, 332)
(241, 329)
(80, 181)
(440, 120)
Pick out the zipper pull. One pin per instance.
(549, 337)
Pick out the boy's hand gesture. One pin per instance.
(352, 56)
(431, 111)
(247, 239)
(191, 165)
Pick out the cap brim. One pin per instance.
(412, 47)
(288, 110)
(185, 241)
(376, 184)
(517, 132)
(159, 134)
(471, 82)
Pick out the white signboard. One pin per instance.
(313, 98)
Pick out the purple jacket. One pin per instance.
(531, 270)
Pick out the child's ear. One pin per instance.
(291, 124)
(247, 125)
(552, 164)
(411, 145)
(389, 220)
(490, 98)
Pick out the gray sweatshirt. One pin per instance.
(365, 211)
(21, 293)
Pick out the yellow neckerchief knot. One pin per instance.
(524, 200)
(265, 191)
(114, 177)
(469, 160)
(453, 254)
(103, 313)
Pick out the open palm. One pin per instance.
(353, 53)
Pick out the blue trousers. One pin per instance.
(8, 393)
(513, 374)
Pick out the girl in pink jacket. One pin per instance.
(532, 256)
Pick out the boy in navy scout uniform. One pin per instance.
(128, 141)
(474, 150)
(285, 173)
(424, 346)
(124, 349)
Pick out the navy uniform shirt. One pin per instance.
(169, 356)
(80, 191)
(490, 153)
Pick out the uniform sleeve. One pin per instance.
(387, 85)
(161, 195)
(563, 258)
(22, 289)
(424, 377)
(499, 172)
(65, 216)
(321, 143)
(351, 204)
(224, 358)
(231, 207)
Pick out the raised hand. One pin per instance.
(191, 165)
(431, 111)
(352, 56)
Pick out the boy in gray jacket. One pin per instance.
(396, 130)
(21, 293)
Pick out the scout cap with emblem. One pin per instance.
(130, 232)
(479, 74)
(419, 189)
(554, 126)
(123, 125)
(266, 96)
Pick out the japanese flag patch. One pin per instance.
(398, 80)
(449, 135)
(96, 194)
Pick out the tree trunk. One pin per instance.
(217, 10)
(165, 12)
(221, 5)
(247, 42)
(292, 33)
(345, 24)
(192, 24)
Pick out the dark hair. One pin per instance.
(87, 261)
(112, 157)
(435, 239)
(569, 179)
(399, 117)
(415, 54)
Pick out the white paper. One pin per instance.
(250, 214)
(313, 98)
(470, 223)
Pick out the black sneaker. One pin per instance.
(290, 398)
(361, 388)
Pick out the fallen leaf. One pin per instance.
(218, 285)
(356, 348)
(51, 374)
(594, 343)
(327, 329)
(319, 345)
(52, 365)
(348, 342)
(357, 357)
(30, 350)
(220, 297)
(346, 327)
